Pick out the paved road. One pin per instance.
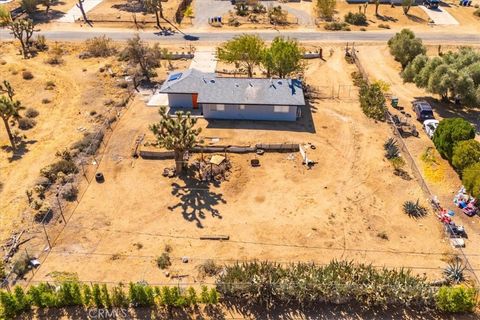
(444, 38)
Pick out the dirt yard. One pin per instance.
(68, 98)
(391, 18)
(347, 207)
(441, 177)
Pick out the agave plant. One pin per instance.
(453, 272)
(414, 209)
(391, 148)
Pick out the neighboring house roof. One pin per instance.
(219, 90)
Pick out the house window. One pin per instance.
(220, 107)
(283, 109)
(241, 107)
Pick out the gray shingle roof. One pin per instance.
(213, 89)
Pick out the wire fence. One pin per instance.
(414, 169)
(39, 237)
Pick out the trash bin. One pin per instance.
(394, 102)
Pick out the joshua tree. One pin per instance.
(84, 14)
(9, 109)
(22, 30)
(156, 7)
(176, 133)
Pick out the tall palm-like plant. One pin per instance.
(176, 133)
(9, 109)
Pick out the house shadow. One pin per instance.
(304, 124)
(196, 199)
(22, 149)
(447, 109)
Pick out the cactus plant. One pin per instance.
(453, 272)
(414, 209)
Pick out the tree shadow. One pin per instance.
(323, 311)
(387, 18)
(131, 6)
(22, 149)
(196, 199)
(451, 110)
(42, 17)
(415, 18)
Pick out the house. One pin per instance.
(234, 98)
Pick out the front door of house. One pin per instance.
(194, 100)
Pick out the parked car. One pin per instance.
(430, 126)
(431, 4)
(423, 110)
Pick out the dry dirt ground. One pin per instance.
(441, 178)
(79, 91)
(347, 207)
(393, 17)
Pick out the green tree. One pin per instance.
(326, 9)
(30, 6)
(471, 179)
(449, 132)
(283, 57)
(5, 17)
(97, 296)
(22, 301)
(372, 101)
(245, 50)
(176, 133)
(456, 299)
(107, 302)
(9, 109)
(119, 298)
(47, 4)
(414, 68)
(142, 57)
(404, 46)
(465, 154)
(8, 305)
(22, 30)
(156, 7)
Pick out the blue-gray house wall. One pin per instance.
(249, 112)
(180, 100)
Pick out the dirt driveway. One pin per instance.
(446, 182)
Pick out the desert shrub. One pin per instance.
(449, 132)
(69, 192)
(277, 15)
(163, 261)
(209, 268)
(456, 299)
(391, 149)
(241, 9)
(338, 282)
(384, 26)
(100, 47)
(477, 12)
(89, 144)
(27, 75)
(50, 85)
(336, 26)
(31, 113)
(326, 8)
(26, 123)
(21, 265)
(471, 179)
(42, 213)
(55, 55)
(465, 153)
(122, 84)
(357, 19)
(372, 101)
(40, 43)
(46, 101)
(404, 47)
(414, 209)
(30, 6)
(64, 166)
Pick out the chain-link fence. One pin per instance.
(414, 169)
